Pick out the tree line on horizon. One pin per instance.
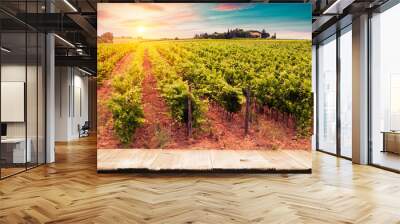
(236, 33)
(108, 37)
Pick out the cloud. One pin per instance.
(104, 14)
(162, 21)
(230, 7)
(147, 23)
(184, 16)
(150, 6)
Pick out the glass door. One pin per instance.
(327, 95)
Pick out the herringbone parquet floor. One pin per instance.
(70, 191)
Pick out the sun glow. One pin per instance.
(141, 29)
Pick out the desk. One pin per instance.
(15, 148)
(391, 141)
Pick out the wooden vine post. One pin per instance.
(247, 113)
(189, 124)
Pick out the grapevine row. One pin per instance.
(107, 57)
(278, 73)
(125, 103)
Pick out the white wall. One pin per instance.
(62, 81)
(10, 73)
(33, 126)
(71, 94)
(16, 73)
(13, 72)
(79, 117)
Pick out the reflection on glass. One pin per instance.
(327, 96)
(395, 102)
(346, 92)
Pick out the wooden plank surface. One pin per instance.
(157, 159)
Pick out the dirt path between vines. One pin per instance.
(105, 135)
(158, 127)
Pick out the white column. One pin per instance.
(50, 100)
(314, 88)
(360, 90)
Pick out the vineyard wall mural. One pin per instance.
(228, 76)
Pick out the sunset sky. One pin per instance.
(158, 20)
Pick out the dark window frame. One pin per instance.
(338, 33)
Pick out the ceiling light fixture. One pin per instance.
(79, 51)
(64, 40)
(84, 71)
(330, 8)
(70, 5)
(5, 50)
(337, 7)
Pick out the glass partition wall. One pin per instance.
(327, 95)
(13, 90)
(334, 90)
(22, 77)
(334, 94)
(385, 89)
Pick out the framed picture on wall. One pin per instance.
(212, 86)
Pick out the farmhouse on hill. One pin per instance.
(255, 34)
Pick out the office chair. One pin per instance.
(84, 130)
